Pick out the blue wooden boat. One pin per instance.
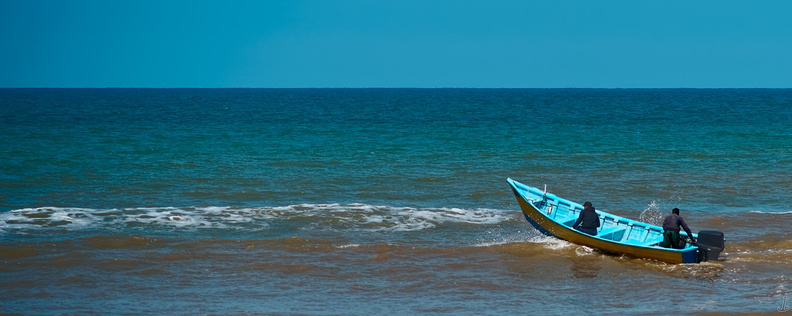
(554, 216)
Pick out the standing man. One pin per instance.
(587, 221)
(671, 226)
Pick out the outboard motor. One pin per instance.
(710, 244)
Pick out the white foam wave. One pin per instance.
(773, 213)
(584, 251)
(349, 246)
(337, 216)
(531, 236)
(553, 243)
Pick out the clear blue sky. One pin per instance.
(404, 43)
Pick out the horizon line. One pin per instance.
(415, 88)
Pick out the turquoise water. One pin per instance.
(359, 201)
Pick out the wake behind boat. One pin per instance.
(555, 216)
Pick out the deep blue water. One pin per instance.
(254, 180)
(718, 149)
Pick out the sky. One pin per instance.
(396, 44)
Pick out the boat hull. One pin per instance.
(538, 209)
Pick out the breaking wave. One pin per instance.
(324, 216)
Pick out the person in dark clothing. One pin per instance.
(671, 226)
(587, 221)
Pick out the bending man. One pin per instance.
(671, 226)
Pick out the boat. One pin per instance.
(554, 216)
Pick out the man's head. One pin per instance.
(587, 204)
(675, 211)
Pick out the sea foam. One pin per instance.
(338, 216)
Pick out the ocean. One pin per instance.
(384, 201)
